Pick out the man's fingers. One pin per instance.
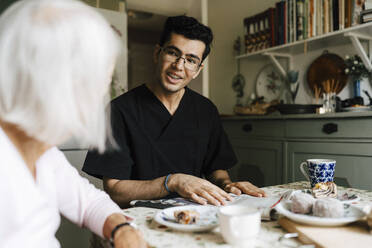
(252, 190)
(220, 197)
(234, 190)
(210, 198)
(198, 199)
(223, 193)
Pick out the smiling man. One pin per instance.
(170, 137)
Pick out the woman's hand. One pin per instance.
(128, 237)
(125, 236)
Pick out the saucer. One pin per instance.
(207, 220)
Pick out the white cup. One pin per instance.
(239, 225)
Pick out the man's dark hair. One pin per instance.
(188, 27)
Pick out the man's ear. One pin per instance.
(157, 51)
(199, 70)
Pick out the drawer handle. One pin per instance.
(330, 128)
(247, 127)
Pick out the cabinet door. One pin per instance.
(353, 161)
(259, 162)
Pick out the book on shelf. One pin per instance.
(335, 15)
(330, 15)
(272, 31)
(366, 16)
(319, 17)
(294, 20)
(325, 16)
(357, 7)
(284, 21)
(341, 5)
(300, 19)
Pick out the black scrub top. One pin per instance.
(153, 143)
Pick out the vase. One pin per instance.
(356, 88)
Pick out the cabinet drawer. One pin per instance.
(329, 128)
(255, 128)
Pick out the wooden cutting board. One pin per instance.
(353, 235)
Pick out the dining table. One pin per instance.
(271, 233)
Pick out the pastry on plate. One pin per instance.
(186, 216)
(328, 207)
(323, 190)
(302, 203)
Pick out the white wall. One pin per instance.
(226, 21)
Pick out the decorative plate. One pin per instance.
(269, 83)
(351, 214)
(207, 220)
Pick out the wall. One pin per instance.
(226, 21)
(5, 4)
(227, 24)
(141, 46)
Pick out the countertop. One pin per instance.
(278, 116)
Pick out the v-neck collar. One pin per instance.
(170, 121)
(13, 156)
(157, 100)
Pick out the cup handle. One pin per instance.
(304, 171)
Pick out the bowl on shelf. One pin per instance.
(287, 109)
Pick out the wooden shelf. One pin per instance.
(318, 42)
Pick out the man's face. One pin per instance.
(175, 75)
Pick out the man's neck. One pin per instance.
(29, 148)
(170, 100)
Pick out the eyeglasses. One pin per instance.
(173, 55)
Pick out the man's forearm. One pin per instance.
(124, 191)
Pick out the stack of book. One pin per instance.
(294, 20)
(366, 16)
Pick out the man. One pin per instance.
(170, 136)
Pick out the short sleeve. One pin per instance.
(220, 155)
(115, 162)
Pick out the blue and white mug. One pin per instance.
(318, 170)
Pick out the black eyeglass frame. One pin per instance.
(184, 59)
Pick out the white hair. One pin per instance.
(56, 59)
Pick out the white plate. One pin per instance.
(357, 109)
(208, 218)
(351, 214)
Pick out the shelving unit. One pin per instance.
(354, 35)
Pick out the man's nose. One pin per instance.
(180, 63)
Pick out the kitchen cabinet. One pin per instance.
(258, 150)
(353, 161)
(270, 149)
(260, 162)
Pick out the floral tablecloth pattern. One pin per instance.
(270, 234)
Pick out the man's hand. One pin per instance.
(244, 187)
(197, 189)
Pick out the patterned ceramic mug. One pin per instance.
(318, 170)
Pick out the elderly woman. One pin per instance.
(56, 61)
